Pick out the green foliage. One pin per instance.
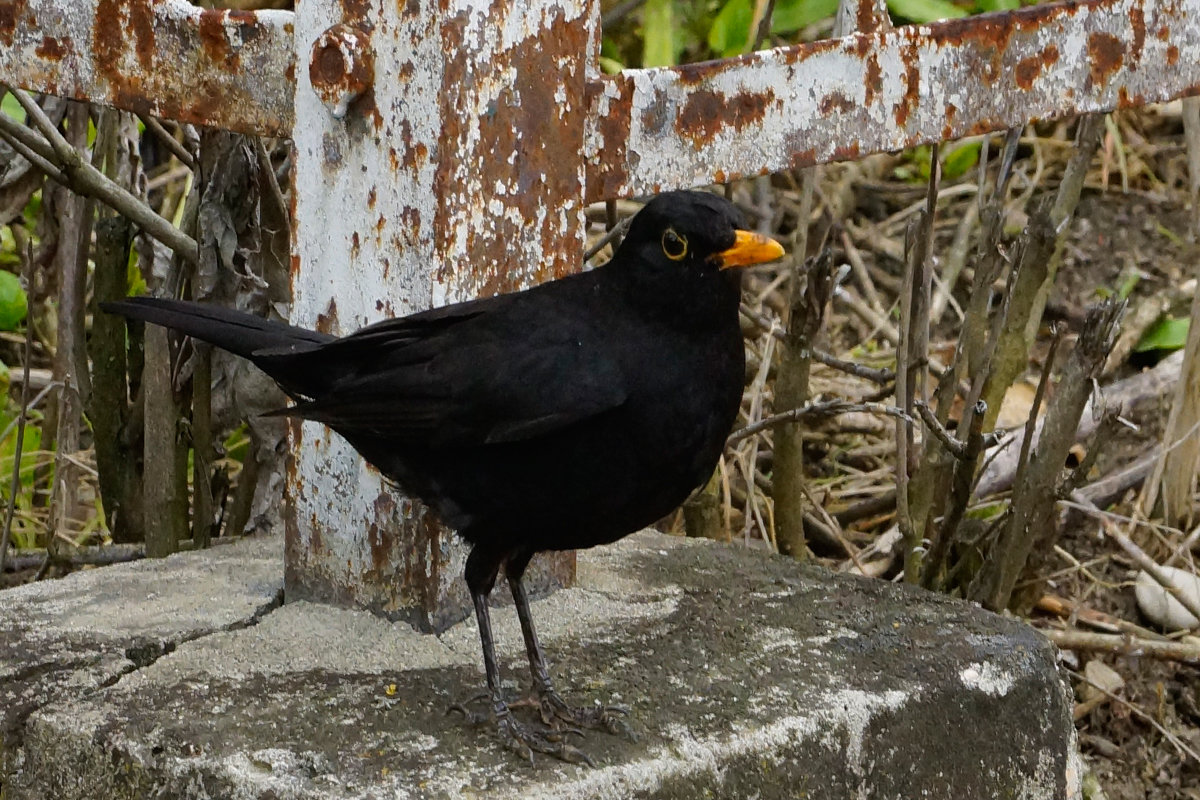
(8, 248)
(24, 532)
(658, 34)
(960, 159)
(14, 305)
(610, 66)
(1166, 334)
(1126, 283)
(957, 160)
(133, 276)
(10, 107)
(925, 10)
(730, 32)
(237, 444)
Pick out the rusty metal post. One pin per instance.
(438, 158)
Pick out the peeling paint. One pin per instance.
(888, 90)
(869, 92)
(161, 57)
(454, 181)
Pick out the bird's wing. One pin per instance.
(490, 385)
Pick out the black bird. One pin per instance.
(560, 417)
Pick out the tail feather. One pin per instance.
(236, 331)
(282, 351)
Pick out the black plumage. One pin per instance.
(564, 416)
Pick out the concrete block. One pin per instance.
(747, 676)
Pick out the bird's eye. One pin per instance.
(674, 246)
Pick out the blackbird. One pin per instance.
(564, 416)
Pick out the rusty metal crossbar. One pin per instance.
(844, 98)
(226, 69)
(654, 129)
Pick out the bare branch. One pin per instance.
(818, 409)
(85, 179)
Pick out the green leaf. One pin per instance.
(658, 34)
(997, 5)
(730, 28)
(10, 107)
(925, 10)
(13, 302)
(1166, 334)
(609, 66)
(135, 283)
(792, 15)
(960, 159)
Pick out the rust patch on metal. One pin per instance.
(801, 156)
(993, 31)
(912, 85)
(866, 20)
(847, 152)
(246, 21)
(141, 22)
(706, 113)
(355, 9)
(1126, 100)
(523, 148)
(948, 128)
(874, 79)
(410, 220)
(606, 176)
(1172, 55)
(51, 49)
(10, 12)
(381, 536)
(836, 102)
(213, 38)
(1106, 54)
(342, 70)
(698, 72)
(328, 322)
(1028, 69)
(1137, 20)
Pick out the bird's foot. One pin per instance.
(522, 739)
(555, 712)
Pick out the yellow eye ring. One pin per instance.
(674, 246)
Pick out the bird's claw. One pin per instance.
(555, 711)
(525, 741)
(469, 716)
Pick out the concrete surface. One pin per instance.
(747, 676)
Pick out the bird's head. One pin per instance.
(695, 231)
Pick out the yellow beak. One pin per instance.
(749, 249)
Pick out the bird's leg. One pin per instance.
(521, 739)
(553, 708)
